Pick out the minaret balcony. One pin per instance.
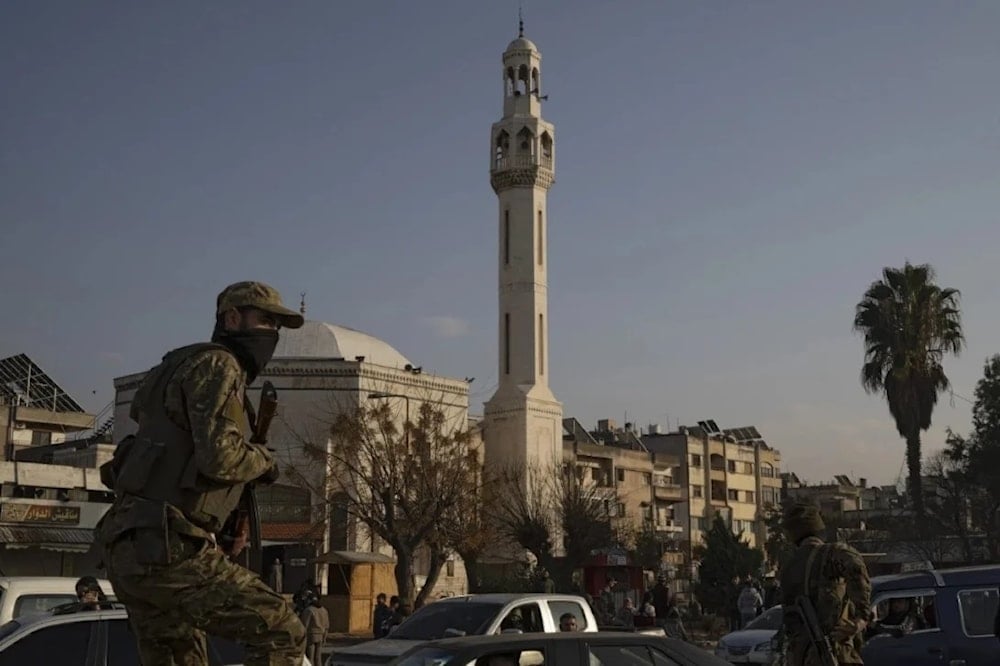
(521, 161)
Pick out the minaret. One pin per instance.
(523, 420)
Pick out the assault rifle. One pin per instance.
(820, 641)
(242, 529)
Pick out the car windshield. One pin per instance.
(433, 620)
(427, 657)
(769, 620)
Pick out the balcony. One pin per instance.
(668, 526)
(521, 162)
(665, 489)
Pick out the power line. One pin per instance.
(960, 397)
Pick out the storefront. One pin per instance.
(48, 537)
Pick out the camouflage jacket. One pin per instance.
(205, 397)
(836, 580)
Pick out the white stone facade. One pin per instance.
(523, 419)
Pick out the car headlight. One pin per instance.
(762, 647)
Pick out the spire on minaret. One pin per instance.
(520, 22)
(302, 304)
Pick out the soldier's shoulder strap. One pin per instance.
(822, 550)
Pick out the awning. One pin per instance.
(50, 538)
(285, 533)
(353, 557)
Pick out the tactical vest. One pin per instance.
(159, 464)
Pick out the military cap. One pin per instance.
(261, 296)
(801, 519)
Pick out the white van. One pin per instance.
(25, 595)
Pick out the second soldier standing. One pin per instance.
(834, 578)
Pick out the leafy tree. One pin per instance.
(778, 546)
(404, 484)
(723, 556)
(647, 548)
(909, 324)
(983, 452)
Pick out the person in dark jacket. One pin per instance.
(381, 616)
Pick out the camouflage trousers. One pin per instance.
(171, 607)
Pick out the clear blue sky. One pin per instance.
(731, 176)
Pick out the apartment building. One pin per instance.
(642, 488)
(733, 473)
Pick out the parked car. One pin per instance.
(24, 595)
(88, 637)
(477, 614)
(563, 649)
(753, 643)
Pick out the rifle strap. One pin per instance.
(251, 412)
(809, 566)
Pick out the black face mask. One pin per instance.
(253, 347)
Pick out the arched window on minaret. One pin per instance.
(534, 81)
(526, 143)
(546, 142)
(501, 149)
(522, 80)
(509, 82)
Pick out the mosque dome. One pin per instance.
(522, 43)
(319, 340)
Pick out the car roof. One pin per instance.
(506, 598)
(44, 583)
(514, 640)
(975, 575)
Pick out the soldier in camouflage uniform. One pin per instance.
(834, 577)
(176, 482)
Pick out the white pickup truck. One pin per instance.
(477, 614)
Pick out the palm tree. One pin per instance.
(909, 324)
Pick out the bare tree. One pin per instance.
(540, 507)
(469, 531)
(400, 482)
(526, 512)
(950, 507)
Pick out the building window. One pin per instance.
(697, 491)
(506, 343)
(731, 466)
(541, 344)
(541, 239)
(506, 238)
(620, 474)
(733, 495)
(717, 462)
(769, 496)
(449, 568)
(647, 479)
(718, 489)
(41, 438)
(767, 470)
(750, 497)
(749, 468)
(695, 460)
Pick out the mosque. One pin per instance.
(324, 368)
